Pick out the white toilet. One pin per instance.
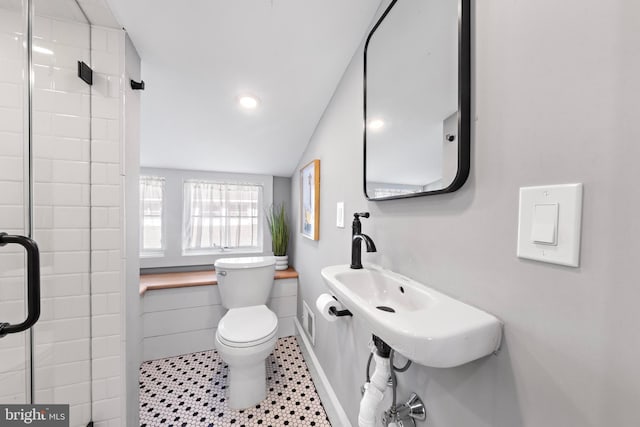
(247, 334)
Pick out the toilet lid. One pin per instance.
(247, 326)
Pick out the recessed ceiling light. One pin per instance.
(376, 124)
(248, 102)
(43, 50)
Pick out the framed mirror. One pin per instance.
(417, 100)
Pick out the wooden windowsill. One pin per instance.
(151, 282)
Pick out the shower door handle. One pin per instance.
(33, 283)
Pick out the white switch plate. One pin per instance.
(566, 248)
(340, 215)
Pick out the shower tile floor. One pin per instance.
(189, 390)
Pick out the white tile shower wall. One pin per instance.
(62, 196)
(184, 320)
(108, 253)
(12, 347)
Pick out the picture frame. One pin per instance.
(310, 200)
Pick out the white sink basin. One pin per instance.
(426, 326)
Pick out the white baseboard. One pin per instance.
(335, 412)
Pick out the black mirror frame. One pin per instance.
(464, 103)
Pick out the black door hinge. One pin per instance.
(85, 73)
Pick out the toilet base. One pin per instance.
(247, 382)
(247, 385)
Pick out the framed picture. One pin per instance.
(310, 200)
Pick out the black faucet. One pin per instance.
(356, 238)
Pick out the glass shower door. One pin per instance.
(45, 172)
(14, 348)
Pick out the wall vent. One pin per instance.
(309, 322)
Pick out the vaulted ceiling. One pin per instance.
(199, 56)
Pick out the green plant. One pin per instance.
(279, 229)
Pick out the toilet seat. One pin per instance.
(247, 326)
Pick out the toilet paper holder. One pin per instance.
(339, 313)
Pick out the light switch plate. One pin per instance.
(565, 249)
(340, 215)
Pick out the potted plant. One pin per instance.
(279, 229)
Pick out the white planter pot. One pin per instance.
(282, 262)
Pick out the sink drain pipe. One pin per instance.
(376, 385)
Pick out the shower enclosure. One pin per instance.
(45, 195)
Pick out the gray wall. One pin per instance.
(555, 100)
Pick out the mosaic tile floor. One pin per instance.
(189, 390)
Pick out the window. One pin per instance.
(151, 215)
(192, 218)
(218, 216)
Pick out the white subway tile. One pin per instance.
(70, 172)
(73, 394)
(70, 262)
(106, 108)
(71, 217)
(106, 63)
(56, 353)
(106, 409)
(12, 382)
(102, 239)
(11, 144)
(106, 325)
(11, 95)
(11, 119)
(62, 330)
(108, 282)
(106, 367)
(12, 359)
(12, 265)
(99, 261)
(43, 77)
(12, 311)
(70, 33)
(61, 148)
(11, 288)
(11, 70)
(43, 217)
(114, 217)
(70, 126)
(112, 301)
(42, 170)
(99, 39)
(10, 21)
(62, 374)
(100, 217)
(57, 194)
(14, 341)
(11, 169)
(12, 193)
(41, 28)
(65, 285)
(11, 46)
(79, 414)
(105, 151)
(105, 195)
(65, 239)
(13, 217)
(106, 346)
(115, 41)
(66, 79)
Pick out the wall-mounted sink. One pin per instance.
(422, 324)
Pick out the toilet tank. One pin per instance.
(243, 282)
